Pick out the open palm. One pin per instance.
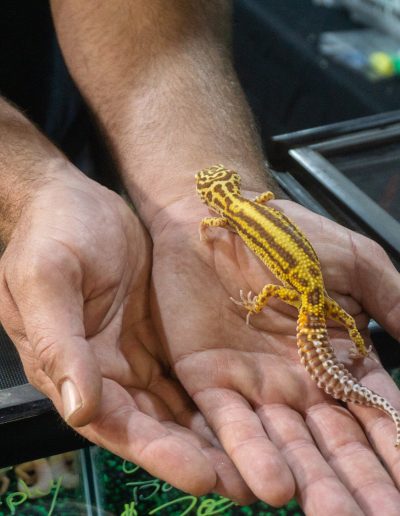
(74, 298)
(284, 434)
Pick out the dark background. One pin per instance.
(288, 84)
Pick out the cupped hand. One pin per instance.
(284, 434)
(74, 283)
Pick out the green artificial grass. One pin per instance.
(131, 491)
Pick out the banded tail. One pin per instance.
(319, 359)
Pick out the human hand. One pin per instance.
(284, 434)
(74, 285)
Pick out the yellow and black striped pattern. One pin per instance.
(285, 250)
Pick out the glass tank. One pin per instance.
(49, 486)
(124, 489)
(375, 171)
(94, 482)
(352, 170)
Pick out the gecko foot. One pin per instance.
(355, 353)
(247, 303)
(249, 314)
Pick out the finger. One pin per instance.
(76, 402)
(379, 427)
(379, 282)
(346, 449)
(319, 490)
(244, 439)
(162, 451)
(182, 408)
(193, 427)
(42, 311)
(229, 482)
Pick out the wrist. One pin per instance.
(186, 209)
(166, 96)
(23, 184)
(28, 161)
(157, 190)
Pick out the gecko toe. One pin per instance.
(249, 314)
(239, 303)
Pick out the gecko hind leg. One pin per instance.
(336, 313)
(264, 197)
(254, 304)
(207, 222)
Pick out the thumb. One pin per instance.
(43, 315)
(69, 374)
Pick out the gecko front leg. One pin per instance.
(264, 197)
(215, 222)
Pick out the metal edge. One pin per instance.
(298, 193)
(19, 395)
(350, 195)
(345, 142)
(339, 128)
(22, 402)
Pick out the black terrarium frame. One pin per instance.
(311, 157)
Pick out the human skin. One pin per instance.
(248, 380)
(168, 102)
(74, 298)
(175, 108)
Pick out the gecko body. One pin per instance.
(285, 250)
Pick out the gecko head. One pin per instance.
(217, 180)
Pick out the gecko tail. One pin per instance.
(319, 359)
(363, 396)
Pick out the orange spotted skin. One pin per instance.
(285, 250)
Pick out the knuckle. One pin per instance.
(38, 269)
(377, 250)
(41, 268)
(45, 350)
(40, 381)
(49, 264)
(31, 376)
(370, 247)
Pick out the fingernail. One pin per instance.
(71, 398)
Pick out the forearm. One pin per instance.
(27, 160)
(158, 75)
